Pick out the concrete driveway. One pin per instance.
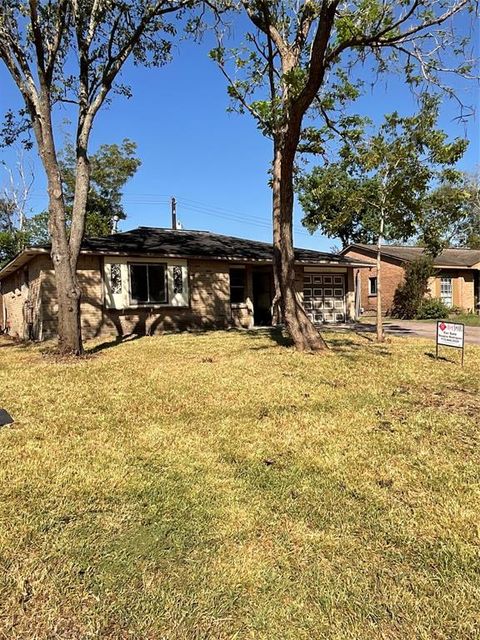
(417, 329)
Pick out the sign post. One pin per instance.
(450, 334)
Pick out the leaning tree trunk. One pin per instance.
(302, 331)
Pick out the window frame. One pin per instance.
(147, 265)
(372, 279)
(443, 297)
(243, 286)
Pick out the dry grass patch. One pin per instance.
(222, 486)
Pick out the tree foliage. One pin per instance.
(387, 175)
(110, 169)
(452, 215)
(411, 292)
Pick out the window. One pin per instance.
(237, 285)
(148, 283)
(446, 291)
(372, 286)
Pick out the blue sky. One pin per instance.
(215, 163)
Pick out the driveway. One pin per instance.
(417, 329)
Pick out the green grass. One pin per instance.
(221, 486)
(470, 319)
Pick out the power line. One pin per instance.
(197, 206)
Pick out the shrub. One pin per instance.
(432, 308)
(411, 293)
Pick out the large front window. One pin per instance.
(148, 283)
(446, 291)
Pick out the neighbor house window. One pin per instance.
(446, 291)
(372, 286)
(148, 283)
(237, 285)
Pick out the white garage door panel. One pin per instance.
(324, 297)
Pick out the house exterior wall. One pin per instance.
(22, 301)
(32, 310)
(209, 307)
(463, 287)
(463, 283)
(392, 275)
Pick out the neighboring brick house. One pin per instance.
(456, 280)
(149, 279)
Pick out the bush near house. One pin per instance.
(431, 308)
(219, 486)
(411, 293)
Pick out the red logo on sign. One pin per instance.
(443, 326)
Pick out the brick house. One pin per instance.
(150, 279)
(456, 281)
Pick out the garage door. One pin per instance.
(324, 297)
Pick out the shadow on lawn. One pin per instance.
(115, 342)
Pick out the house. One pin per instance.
(151, 279)
(456, 280)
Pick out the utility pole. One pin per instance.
(174, 214)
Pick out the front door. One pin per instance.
(262, 298)
(324, 297)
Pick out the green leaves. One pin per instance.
(110, 168)
(388, 174)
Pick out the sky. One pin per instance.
(213, 162)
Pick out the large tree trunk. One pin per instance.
(64, 264)
(63, 257)
(302, 331)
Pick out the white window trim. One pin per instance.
(370, 293)
(122, 301)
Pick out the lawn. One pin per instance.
(214, 486)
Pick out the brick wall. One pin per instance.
(209, 286)
(392, 275)
(463, 287)
(21, 300)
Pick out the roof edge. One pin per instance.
(22, 258)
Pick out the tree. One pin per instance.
(13, 209)
(10, 237)
(410, 293)
(110, 168)
(386, 182)
(336, 202)
(300, 59)
(72, 51)
(452, 215)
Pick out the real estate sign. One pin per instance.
(451, 334)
